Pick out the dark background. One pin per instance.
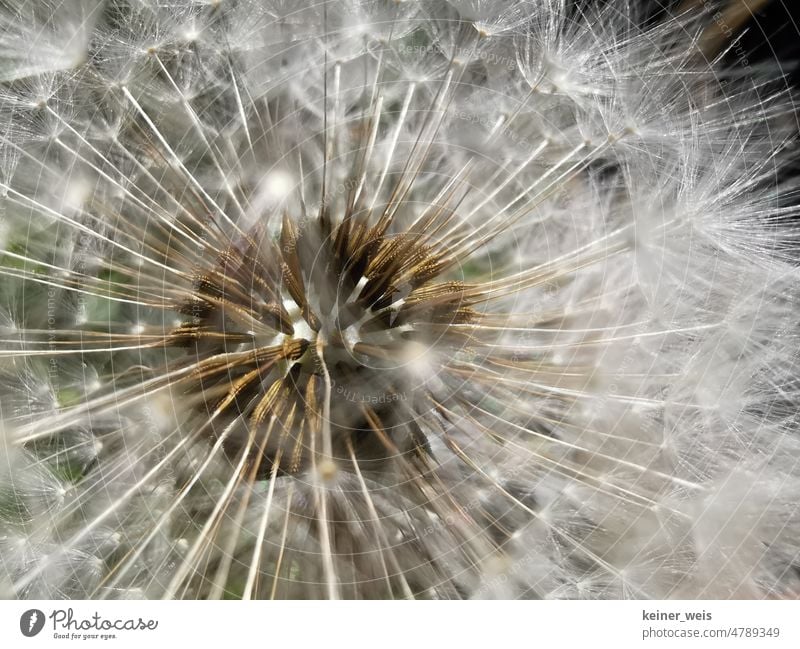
(771, 34)
(774, 34)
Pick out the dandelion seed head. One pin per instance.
(371, 299)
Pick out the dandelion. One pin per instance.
(392, 299)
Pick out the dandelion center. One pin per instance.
(285, 322)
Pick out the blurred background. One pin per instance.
(768, 30)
